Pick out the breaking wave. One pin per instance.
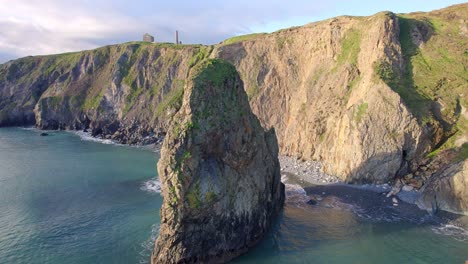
(86, 136)
(153, 186)
(453, 231)
(148, 245)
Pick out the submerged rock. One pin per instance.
(447, 190)
(219, 171)
(44, 134)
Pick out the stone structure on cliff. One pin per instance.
(148, 38)
(219, 170)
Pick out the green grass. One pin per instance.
(251, 78)
(361, 111)
(131, 70)
(92, 102)
(303, 108)
(210, 197)
(350, 47)
(433, 153)
(434, 72)
(174, 199)
(201, 53)
(215, 71)
(281, 41)
(187, 155)
(193, 196)
(430, 68)
(173, 99)
(463, 154)
(322, 137)
(351, 85)
(191, 126)
(252, 91)
(168, 45)
(55, 100)
(132, 98)
(238, 39)
(403, 82)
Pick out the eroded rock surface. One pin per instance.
(447, 190)
(219, 170)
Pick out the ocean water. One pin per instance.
(67, 198)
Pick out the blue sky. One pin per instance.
(29, 27)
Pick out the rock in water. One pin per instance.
(219, 171)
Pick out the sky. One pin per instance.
(38, 27)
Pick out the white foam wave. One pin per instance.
(153, 186)
(29, 128)
(456, 232)
(86, 136)
(148, 245)
(295, 194)
(371, 187)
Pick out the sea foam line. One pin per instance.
(295, 194)
(86, 136)
(453, 231)
(153, 186)
(148, 244)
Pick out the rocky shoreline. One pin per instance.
(307, 171)
(306, 185)
(308, 174)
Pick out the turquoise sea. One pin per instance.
(67, 199)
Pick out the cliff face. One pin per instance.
(219, 172)
(333, 106)
(126, 92)
(368, 96)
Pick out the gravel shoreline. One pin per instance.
(307, 171)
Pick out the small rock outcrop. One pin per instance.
(219, 171)
(447, 190)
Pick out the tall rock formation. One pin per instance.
(219, 170)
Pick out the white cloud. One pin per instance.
(55, 26)
(30, 27)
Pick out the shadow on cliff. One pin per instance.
(402, 80)
(413, 34)
(381, 168)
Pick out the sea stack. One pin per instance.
(219, 171)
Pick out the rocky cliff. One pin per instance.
(447, 190)
(219, 172)
(370, 97)
(125, 92)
